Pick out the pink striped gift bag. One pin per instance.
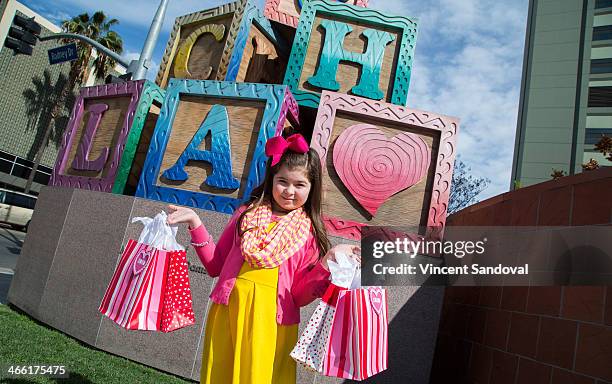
(134, 297)
(150, 288)
(358, 340)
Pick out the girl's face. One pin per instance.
(290, 188)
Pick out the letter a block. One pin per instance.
(349, 49)
(232, 42)
(383, 165)
(208, 147)
(107, 138)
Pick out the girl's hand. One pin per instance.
(352, 251)
(180, 215)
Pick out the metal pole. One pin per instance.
(147, 50)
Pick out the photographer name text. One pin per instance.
(430, 269)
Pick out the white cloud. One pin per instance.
(468, 64)
(54, 15)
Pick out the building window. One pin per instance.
(603, 3)
(20, 167)
(601, 66)
(602, 33)
(593, 135)
(600, 97)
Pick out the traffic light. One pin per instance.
(22, 35)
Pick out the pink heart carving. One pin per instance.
(142, 259)
(374, 168)
(376, 299)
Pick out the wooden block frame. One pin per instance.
(245, 14)
(273, 10)
(279, 106)
(405, 27)
(445, 128)
(141, 94)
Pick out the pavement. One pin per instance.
(11, 242)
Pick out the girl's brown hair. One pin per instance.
(263, 193)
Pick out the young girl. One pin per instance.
(271, 259)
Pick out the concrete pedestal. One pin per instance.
(73, 246)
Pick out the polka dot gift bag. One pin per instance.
(150, 287)
(311, 348)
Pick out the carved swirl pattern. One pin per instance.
(132, 89)
(150, 93)
(374, 168)
(236, 39)
(290, 107)
(447, 127)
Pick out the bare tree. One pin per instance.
(465, 188)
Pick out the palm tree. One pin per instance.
(96, 27)
(40, 100)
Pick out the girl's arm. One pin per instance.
(210, 254)
(311, 279)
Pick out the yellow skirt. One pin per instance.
(243, 344)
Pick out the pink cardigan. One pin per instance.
(301, 278)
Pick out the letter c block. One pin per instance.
(225, 43)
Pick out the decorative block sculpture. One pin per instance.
(383, 164)
(288, 11)
(105, 142)
(207, 150)
(349, 49)
(232, 42)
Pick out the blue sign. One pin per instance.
(62, 54)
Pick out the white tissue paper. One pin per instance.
(157, 233)
(345, 271)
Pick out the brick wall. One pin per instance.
(556, 334)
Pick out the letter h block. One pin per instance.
(233, 42)
(107, 137)
(208, 148)
(349, 49)
(383, 165)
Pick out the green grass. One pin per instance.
(24, 341)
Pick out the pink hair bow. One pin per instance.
(276, 146)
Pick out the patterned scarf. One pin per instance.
(264, 248)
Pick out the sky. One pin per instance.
(468, 63)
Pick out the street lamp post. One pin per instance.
(144, 62)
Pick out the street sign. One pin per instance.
(62, 54)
